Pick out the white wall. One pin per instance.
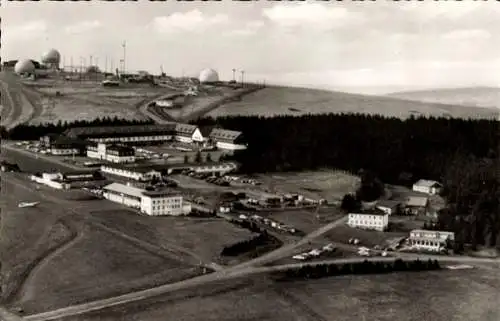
(223, 145)
(197, 136)
(368, 221)
(127, 201)
(168, 205)
(64, 151)
(120, 159)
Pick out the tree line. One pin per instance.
(34, 132)
(365, 267)
(247, 245)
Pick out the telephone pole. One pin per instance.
(124, 45)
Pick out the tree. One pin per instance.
(186, 159)
(350, 203)
(208, 158)
(198, 158)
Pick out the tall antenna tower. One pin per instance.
(124, 45)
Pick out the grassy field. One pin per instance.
(26, 235)
(476, 96)
(430, 296)
(329, 185)
(342, 234)
(96, 266)
(204, 237)
(298, 101)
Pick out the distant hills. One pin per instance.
(488, 97)
(277, 100)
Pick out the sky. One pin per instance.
(369, 47)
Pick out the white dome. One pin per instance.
(208, 75)
(51, 57)
(24, 66)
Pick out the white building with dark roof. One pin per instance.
(227, 139)
(416, 205)
(388, 206)
(137, 173)
(427, 186)
(159, 202)
(371, 220)
(187, 133)
(111, 153)
(431, 240)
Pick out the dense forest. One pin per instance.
(463, 154)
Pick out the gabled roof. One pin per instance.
(125, 189)
(371, 211)
(206, 130)
(387, 203)
(224, 134)
(417, 201)
(185, 129)
(428, 183)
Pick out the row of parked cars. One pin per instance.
(209, 178)
(314, 253)
(274, 224)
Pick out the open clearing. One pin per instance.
(204, 237)
(430, 296)
(329, 185)
(96, 266)
(274, 101)
(27, 235)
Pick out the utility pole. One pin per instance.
(90, 61)
(242, 77)
(124, 45)
(106, 65)
(72, 66)
(234, 75)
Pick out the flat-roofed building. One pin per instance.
(431, 240)
(158, 202)
(138, 173)
(112, 153)
(373, 219)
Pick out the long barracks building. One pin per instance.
(146, 134)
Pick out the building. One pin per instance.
(427, 186)
(159, 202)
(216, 169)
(67, 180)
(61, 145)
(227, 139)
(125, 134)
(138, 173)
(112, 153)
(186, 133)
(416, 205)
(388, 206)
(371, 220)
(431, 240)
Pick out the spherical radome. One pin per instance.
(24, 66)
(208, 75)
(52, 56)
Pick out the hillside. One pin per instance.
(274, 101)
(488, 97)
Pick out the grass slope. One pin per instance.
(274, 101)
(475, 96)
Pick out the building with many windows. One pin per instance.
(427, 186)
(431, 240)
(111, 153)
(371, 219)
(137, 173)
(159, 202)
(227, 139)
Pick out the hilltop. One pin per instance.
(488, 97)
(276, 100)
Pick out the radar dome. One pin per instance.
(51, 57)
(208, 75)
(24, 67)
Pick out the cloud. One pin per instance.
(311, 15)
(467, 35)
(249, 29)
(29, 30)
(190, 21)
(82, 27)
(441, 9)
